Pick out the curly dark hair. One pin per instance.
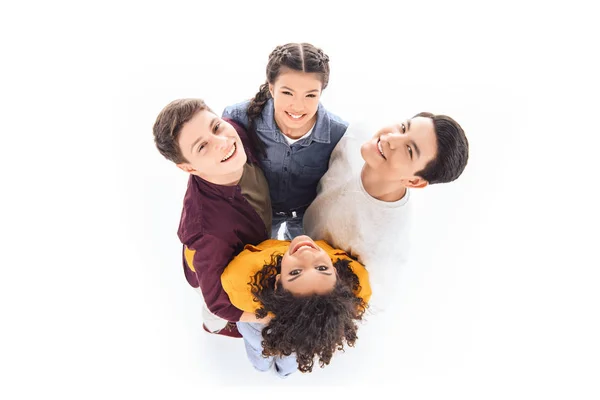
(309, 326)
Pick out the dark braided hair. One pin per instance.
(309, 326)
(302, 57)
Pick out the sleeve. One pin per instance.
(236, 113)
(209, 256)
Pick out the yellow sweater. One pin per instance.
(238, 273)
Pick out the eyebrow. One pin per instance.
(292, 90)
(412, 142)
(212, 123)
(298, 276)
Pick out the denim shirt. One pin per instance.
(293, 171)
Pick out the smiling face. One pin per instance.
(306, 268)
(296, 97)
(398, 151)
(212, 148)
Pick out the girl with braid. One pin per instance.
(292, 129)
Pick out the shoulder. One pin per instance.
(236, 110)
(337, 125)
(348, 146)
(329, 127)
(197, 215)
(190, 225)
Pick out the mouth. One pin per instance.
(304, 244)
(231, 153)
(380, 148)
(295, 117)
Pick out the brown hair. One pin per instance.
(169, 123)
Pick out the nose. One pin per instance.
(393, 139)
(221, 143)
(298, 104)
(307, 255)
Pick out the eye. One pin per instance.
(295, 272)
(216, 127)
(403, 128)
(311, 95)
(287, 93)
(410, 152)
(203, 145)
(322, 268)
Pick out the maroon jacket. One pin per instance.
(217, 222)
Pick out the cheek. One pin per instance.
(285, 264)
(280, 102)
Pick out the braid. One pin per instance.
(323, 58)
(279, 55)
(255, 108)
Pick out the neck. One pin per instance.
(380, 188)
(231, 179)
(295, 133)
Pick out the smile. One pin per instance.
(380, 148)
(301, 245)
(295, 116)
(231, 153)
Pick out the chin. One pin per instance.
(242, 159)
(365, 152)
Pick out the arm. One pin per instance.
(210, 257)
(251, 317)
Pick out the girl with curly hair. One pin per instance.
(313, 294)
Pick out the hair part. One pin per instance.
(169, 123)
(314, 326)
(452, 150)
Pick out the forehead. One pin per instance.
(297, 79)
(422, 132)
(196, 127)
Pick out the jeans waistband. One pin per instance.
(290, 213)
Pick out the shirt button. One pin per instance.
(285, 168)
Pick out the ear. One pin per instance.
(185, 167)
(416, 182)
(277, 278)
(271, 89)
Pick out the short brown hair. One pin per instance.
(169, 123)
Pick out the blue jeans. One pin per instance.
(293, 226)
(252, 333)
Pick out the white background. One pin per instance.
(501, 299)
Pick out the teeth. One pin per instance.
(230, 153)
(295, 116)
(306, 245)
(380, 148)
